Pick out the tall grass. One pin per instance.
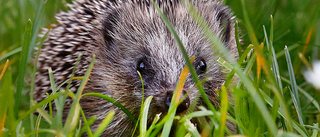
(271, 97)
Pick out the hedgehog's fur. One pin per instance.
(122, 33)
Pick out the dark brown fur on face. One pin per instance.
(127, 36)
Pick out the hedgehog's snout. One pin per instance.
(183, 106)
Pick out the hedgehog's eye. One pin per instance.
(141, 66)
(201, 67)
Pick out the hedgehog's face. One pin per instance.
(136, 39)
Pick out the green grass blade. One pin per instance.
(87, 126)
(141, 108)
(57, 122)
(36, 26)
(294, 87)
(15, 51)
(271, 31)
(50, 106)
(22, 66)
(34, 76)
(203, 112)
(113, 101)
(275, 65)
(223, 111)
(300, 129)
(155, 120)
(78, 129)
(225, 64)
(54, 132)
(4, 69)
(142, 87)
(5, 97)
(52, 83)
(38, 121)
(73, 71)
(45, 115)
(104, 124)
(315, 130)
(144, 116)
(276, 73)
(237, 38)
(191, 128)
(290, 48)
(19, 130)
(286, 134)
(306, 94)
(245, 54)
(305, 61)
(59, 105)
(74, 112)
(314, 127)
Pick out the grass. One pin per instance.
(271, 98)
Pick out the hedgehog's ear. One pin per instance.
(225, 20)
(108, 26)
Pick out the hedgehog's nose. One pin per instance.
(184, 105)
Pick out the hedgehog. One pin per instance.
(127, 36)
